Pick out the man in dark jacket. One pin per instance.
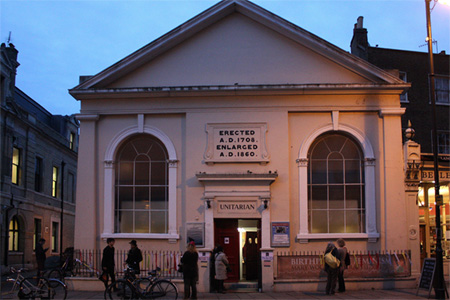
(108, 263)
(134, 257)
(40, 256)
(190, 271)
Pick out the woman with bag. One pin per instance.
(332, 270)
(221, 263)
(189, 263)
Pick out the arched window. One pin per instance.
(336, 201)
(141, 186)
(14, 232)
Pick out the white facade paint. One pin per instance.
(239, 65)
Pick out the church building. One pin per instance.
(242, 129)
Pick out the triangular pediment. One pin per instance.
(237, 43)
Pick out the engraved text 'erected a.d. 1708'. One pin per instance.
(243, 142)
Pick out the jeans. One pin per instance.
(190, 283)
(331, 280)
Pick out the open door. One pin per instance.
(227, 235)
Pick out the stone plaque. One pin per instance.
(233, 208)
(236, 142)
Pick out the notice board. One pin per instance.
(427, 275)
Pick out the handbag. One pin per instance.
(103, 277)
(228, 268)
(180, 268)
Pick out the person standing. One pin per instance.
(40, 256)
(108, 263)
(134, 257)
(212, 272)
(343, 252)
(190, 271)
(332, 272)
(221, 263)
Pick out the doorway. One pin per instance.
(241, 241)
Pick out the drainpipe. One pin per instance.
(63, 164)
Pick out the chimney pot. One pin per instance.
(360, 22)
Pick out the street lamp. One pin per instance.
(439, 276)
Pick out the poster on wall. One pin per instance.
(280, 234)
(195, 231)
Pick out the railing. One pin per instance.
(166, 260)
(363, 264)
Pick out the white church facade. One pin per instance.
(237, 126)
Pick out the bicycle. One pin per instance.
(79, 268)
(150, 287)
(40, 288)
(16, 281)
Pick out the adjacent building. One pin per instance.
(242, 129)
(413, 67)
(38, 172)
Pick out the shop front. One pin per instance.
(427, 207)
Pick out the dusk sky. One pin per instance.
(60, 40)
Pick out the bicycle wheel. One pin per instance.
(163, 289)
(142, 285)
(34, 287)
(120, 289)
(58, 290)
(55, 274)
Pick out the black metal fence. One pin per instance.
(91, 262)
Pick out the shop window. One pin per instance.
(16, 166)
(336, 201)
(55, 174)
(14, 234)
(141, 186)
(37, 232)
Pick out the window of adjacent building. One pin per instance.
(72, 141)
(442, 89)
(55, 182)
(443, 142)
(71, 188)
(336, 185)
(37, 232)
(16, 166)
(141, 187)
(55, 236)
(404, 96)
(14, 232)
(38, 167)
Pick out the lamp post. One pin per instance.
(439, 287)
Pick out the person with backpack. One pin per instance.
(332, 262)
(345, 262)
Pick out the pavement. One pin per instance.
(362, 294)
(350, 294)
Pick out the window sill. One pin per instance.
(151, 236)
(371, 237)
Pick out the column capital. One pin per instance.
(302, 162)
